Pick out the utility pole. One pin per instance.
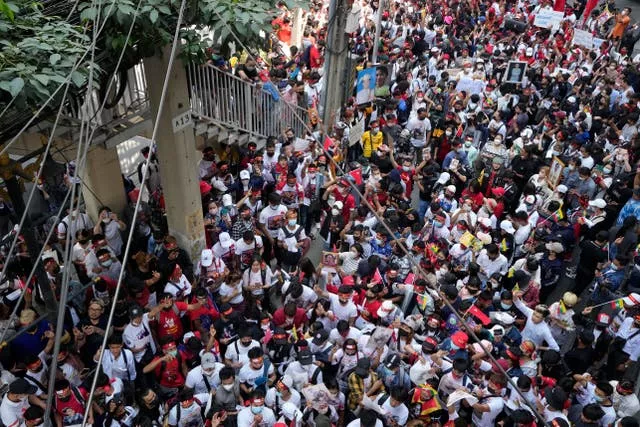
(336, 53)
(376, 40)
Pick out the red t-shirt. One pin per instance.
(407, 178)
(171, 376)
(348, 201)
(207, 309)
(72, 410)
(169, 323)
(299, 319)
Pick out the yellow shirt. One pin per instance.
(370, 143)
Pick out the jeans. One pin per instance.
(423, 207)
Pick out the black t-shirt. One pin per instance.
(591, 255)
(383, 163)
(428, 182)
(252, 74)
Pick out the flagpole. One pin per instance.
(605, 303)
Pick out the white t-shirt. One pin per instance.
(342, 312)
(336, 338)
(113, 236)
(182, 288)
(12, 413)
(248, 375)
(196, 379)
(270, 399)
(356, 423)
(399, 414)
(139, 336)
(272, 219)
(249, 277)
(245, 418)
(226, 290)
(189, 417)
(487, 419)
(241, 354)
(246, 251)
(291, 242)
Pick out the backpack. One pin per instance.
(178, 408)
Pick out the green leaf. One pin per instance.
(42, 78)
(14, 87)
(153, 16)
(7, 11)
(78, 78)
(88, 14)
(126, 9)
(164, 9)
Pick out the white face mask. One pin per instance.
(228, 387)
(335, 212)
(106, 220)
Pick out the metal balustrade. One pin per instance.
(240, 106)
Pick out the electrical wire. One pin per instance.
(402, 246)
(459, 317)
(6, 146)
(156, 125)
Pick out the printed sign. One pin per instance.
(583, 38)
(548, 19)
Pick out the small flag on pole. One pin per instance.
(478, 314)
(563, 308)
(268, 334)
(422, 301)
(617, 303)
(294, 333)
(357, 175)
(516, 288)
(377, 277)
(503, 245)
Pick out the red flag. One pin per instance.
(268, 334)
(328, 143)
(357, 175)
(410, 279)
(483, 318)
(377, 277)
(591, 4)
(558, 6)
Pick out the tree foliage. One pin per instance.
(37, 53)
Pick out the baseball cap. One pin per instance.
(226, 200)
(460, 339)
(507, 226)
(225, 240)
(562, 188)
(244, 174)
(305, 357)
(207, 361)
(363, 366)
(443, 178)
(598, 203)
(206, 259)
(321, 336)
(631, 299)
(392, 361)
(135, 311)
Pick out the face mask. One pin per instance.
(598, 399)
(343, 301)
(606, 171)
(228, 387)
(614, 267)
(106, 220)
(213, 211)
(292, 222)
(312, 175)
(256, 410)
(437, 224)
(505, 306)
(454, 347)
(572, 167)
(468, 144)
(245, 344)
(379, 242)
(375, 130)
(106, 263)
(173, 353)
(406, 168)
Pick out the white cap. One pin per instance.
(386, 308)
(483, 237)
(503, 318)
(598, 203)
(555, 247)
(225, 240)
(530, 198)
(485, 221)
(631, 299)
(529, 51)
(287, 380)
(226, 200)
(526, 133)
(451, 188)
(507, 226)
(562, 188)
(443, 178)
(338, 205)
(206, 259)
(572, 99)
(245, 174)
(291, 412)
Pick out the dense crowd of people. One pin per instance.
(477, 216)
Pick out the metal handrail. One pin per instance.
(235, 104)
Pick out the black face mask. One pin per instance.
(403, 333)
